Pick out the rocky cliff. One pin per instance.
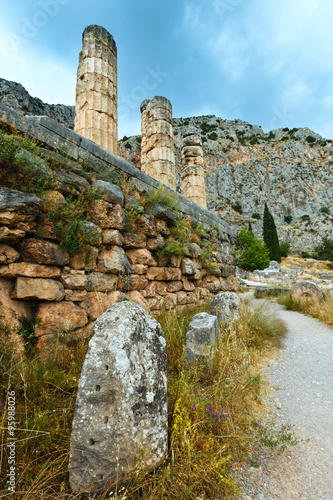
(245, 167)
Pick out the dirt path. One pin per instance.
(303, 379)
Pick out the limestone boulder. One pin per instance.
(121, 408)
(16, 207)
(112, 237)
(306, 290)
(43, 252)
(90, 233)
(70, 184)
(132, 240)
(108, 216)
(59, 317)
(141, 256)
(227, 307)
(24, 269)
(108, 192)
(113, 261)
(8, 255)
(202, 336)
(188, 266)
(38, 289)
(52, 200)
(10, 236)
(101, 282)
(10, 309)
(74, 279)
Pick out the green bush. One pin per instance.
(237, 207)
(310, 139)
(213, 136)
(284, 247)
(305, 217)
(324, 210)
(252, 253)
(288, 219)
(305, 255)
(128, 146)
(256, 216)
(324, 251)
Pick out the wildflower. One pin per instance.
(186, 395)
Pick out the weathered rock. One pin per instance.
(100, 282)
(141, 256)
(121, 407)
(38, 289)
(16, 206)
(97, 89)
(147, 225)
(112, 237)
(226, 306)
(10, 236)
(11, 310)
(108, 192)
(108, 216)
(74, 279)
(8, 254)
(132, 240)
(90, 232)
(162, 212)
(75, 295)
(202, 336)
(95, 304)
(136, 296)
(164, 274)
(157, 146)
(70, 184)
(59, 317)
(188, 266)
(43, 252)
(155, 243)
(306, 290)
(113, 261)
(132, 282)
(52, 200)
(27, 270)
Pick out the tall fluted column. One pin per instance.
(193, 175)
(157, 146)
(96, 89)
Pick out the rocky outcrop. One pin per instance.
(15, 96)
(97, 89)
(121, 408)
(306, 290)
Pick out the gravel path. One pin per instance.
(303, 379)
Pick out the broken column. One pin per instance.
(121, 416)
(157, 146)
(96, 89)
(192, 175)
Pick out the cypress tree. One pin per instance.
(250, 227)
(270, 235)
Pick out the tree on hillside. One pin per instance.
(270, 235)
(252, 253)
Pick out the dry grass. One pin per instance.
(310, 265)
(321, 310)
(210, 413)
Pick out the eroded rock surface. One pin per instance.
(121, 409)
(226, 306)
(202, 336)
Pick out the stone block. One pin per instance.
(175, 286)
(306, 290)
(112, 237)
(27, 270)
(132, 282)
(38, 289)
(108, 192)
(74, 279)
(132, 240)
(147, 225)
(8, 255)
(113, 261)
(59, 317)
(137, 297)
(202, 336)
(75, 295)
(121, 408)
(141, 256)
(10, 236)
(188, 267)
(227, 307)
(10, 309)
(101, 282)
(188, 286)
(212, 283)
(139, 268)
(108, 216)
(16, 206)
(43, 252)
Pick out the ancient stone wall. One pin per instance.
(132, 249)
(96, 89)
(157, 145)
(193, 175)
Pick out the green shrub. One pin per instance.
(285, 246)
(128, 146)
(213, 136)
(305, 255)
(324, 251)
(305, 217)
(237, 207)
(310, 139)
(252, 253)
(324, 210)
(256, 216)
(288, 219)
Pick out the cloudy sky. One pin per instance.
(268, 62)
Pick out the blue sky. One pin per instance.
(268, 62)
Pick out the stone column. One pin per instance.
(157, 145)
(193, 175)
(96, 89)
